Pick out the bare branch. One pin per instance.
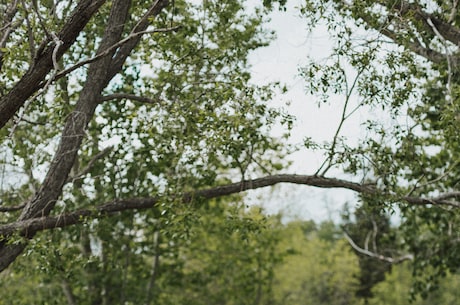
(387, 259)
(90, 164)
(112, 48)
(12, 208)
(448, 196)
(132, 97)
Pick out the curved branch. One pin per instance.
(29, 227)
(414, 45)
(366, 252)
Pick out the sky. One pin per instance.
(280, 61)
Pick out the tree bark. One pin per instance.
(50, 190)
(99, 75)
(43, 63)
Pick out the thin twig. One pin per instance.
(133, 97)
(448, 57)
(453, 12)
(58, 43)
(110, 49)
(387, 259)
(343, 118)
(90, 164)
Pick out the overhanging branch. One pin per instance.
(30, 226)
(132, 97)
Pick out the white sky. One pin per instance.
(280, 62)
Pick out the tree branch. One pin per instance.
(12, 208)
(110, 50)
(343, 118)
(140, 27)
(90, 164)
(448, 196)
(29, 227)
(415, 10)
(448, 31)
(404, 10)
(7, 26)
(414, 45)
(366, 252)
(33, 78)
(46, 197)
(132, 97)
(453, 11)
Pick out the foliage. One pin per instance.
(396, 289)
(169, 110)
(370, 228)
(318, 267)
(400, 57)
(180, 115)
(219, 253)
(147, 108)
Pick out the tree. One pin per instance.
(218, 253)
(370, 229)
(140, 83)
(404, 58)
(396, 289)
(115, 106)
